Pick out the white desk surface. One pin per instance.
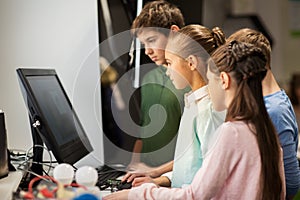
(9, 184)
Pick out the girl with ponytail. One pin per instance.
(237, 69)
(186, 55)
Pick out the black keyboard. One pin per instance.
(106, 174)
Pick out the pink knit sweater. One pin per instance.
(231, 170)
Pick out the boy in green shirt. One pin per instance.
(161, 103)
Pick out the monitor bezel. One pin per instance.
(70, 152)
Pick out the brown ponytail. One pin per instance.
(247, 65)
(219, 36)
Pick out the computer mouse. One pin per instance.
(124, 185)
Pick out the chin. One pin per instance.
(159, 62)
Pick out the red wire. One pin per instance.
(38, 178)
(54, 180)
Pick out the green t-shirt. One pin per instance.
(161, 109)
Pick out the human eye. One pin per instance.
(168, 64)
(151, 40)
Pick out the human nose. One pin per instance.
(148, 50)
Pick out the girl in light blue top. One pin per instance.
(186, 55)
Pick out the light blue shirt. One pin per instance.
(283, 117)
(197, 124)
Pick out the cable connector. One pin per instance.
(36, 124)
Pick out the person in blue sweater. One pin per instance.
(280, 111)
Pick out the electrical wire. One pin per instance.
(27, 160)
(41, 146)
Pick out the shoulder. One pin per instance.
(152, 76)
(206, 114)
(281, 111)
(237, 132)
(235, 137)
(229, 131)
(277, 102)
(279, 106)
(232, 128)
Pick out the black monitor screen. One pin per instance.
(47, 102)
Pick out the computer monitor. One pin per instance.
(52, 115)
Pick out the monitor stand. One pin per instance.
(37, 165)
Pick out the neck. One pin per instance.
(197, 82)
(269, 84)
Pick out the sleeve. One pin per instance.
(168, 175)
(291, 166)
(283, 122)
(209, 179)
(150, 191)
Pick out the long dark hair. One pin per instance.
(247, 66)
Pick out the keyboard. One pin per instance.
(105, 176)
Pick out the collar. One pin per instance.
(194, 96)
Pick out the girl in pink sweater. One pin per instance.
(245, 161)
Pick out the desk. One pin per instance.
(9, 184)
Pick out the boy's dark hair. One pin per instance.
(159, 14)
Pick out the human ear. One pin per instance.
(192, 62)
(174, 28)
(225, 78)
